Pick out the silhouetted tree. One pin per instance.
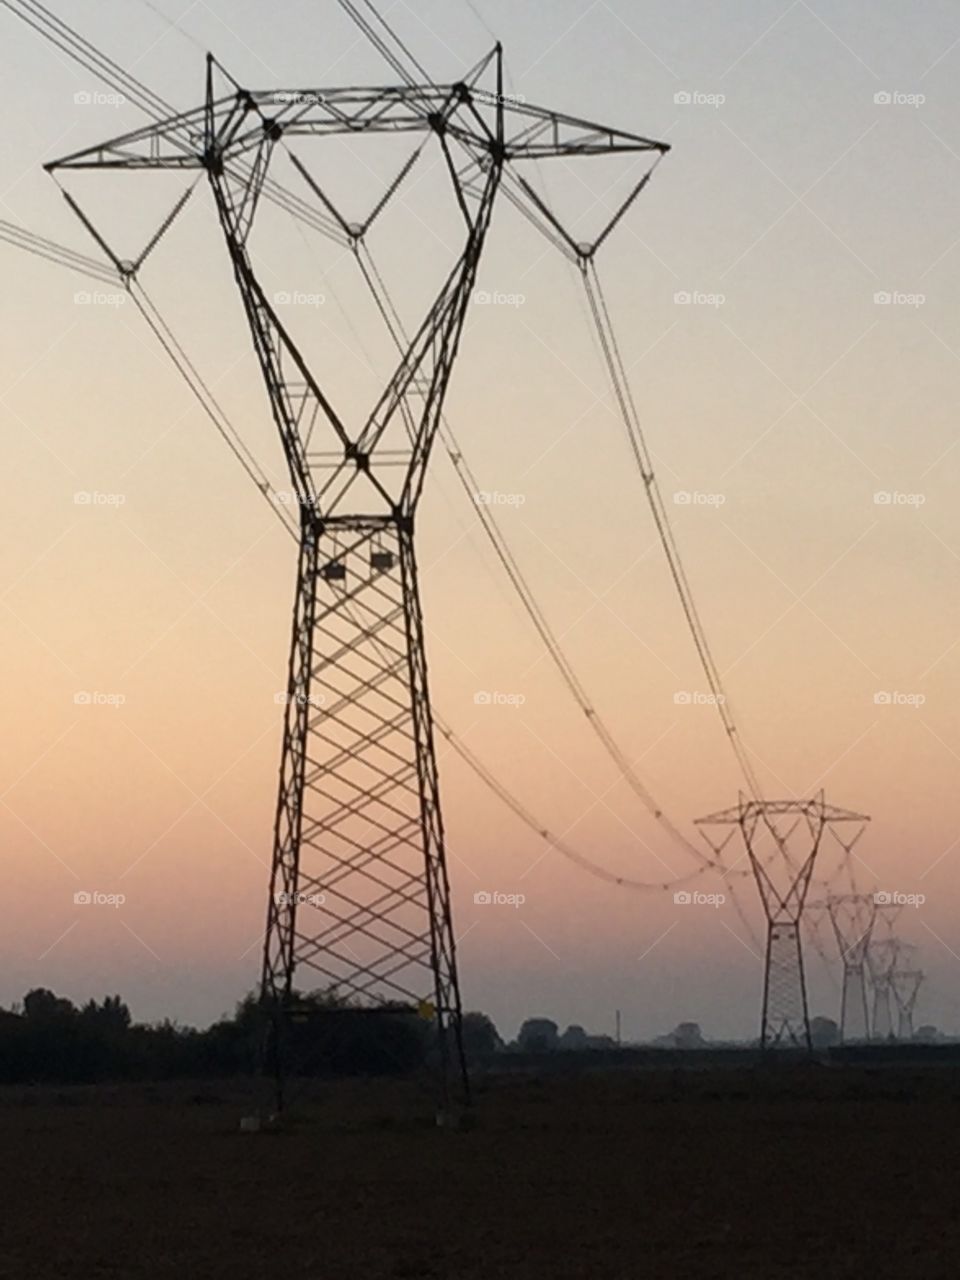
(41, 1005)
(574, 1038)
(481, 1040)
(111, 1015)
(685, 1035)
(537, 1035)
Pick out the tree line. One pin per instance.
(48, 1039)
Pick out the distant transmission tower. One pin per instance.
(853, 916)
(359, 893)
(884, 958)
(782, 864)
(906, 984)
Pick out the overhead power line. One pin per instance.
(160, 328)
(623, 393)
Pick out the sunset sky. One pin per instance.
(806, 396)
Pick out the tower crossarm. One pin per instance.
(179, 142)
(240, 120)
(754, 809)
(174, 143)
(543, 134)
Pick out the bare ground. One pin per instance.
(805, 1171)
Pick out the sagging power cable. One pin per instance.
(211, 407)
(41, 247)
(217, 416)
(623, 394)
(519, 582)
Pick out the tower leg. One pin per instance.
(882, 1019)
(785, 1022)
(853, 1008)
(360, 900)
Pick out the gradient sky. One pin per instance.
(797, 198)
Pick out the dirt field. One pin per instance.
(816, 1171)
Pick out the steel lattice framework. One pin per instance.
(359, 892)
(906, 984)
(885, 961)
(853, 916)
(783, 873)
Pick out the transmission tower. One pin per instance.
(906, 984)
(359, 893)
(852, 916)
(884, 958)
(782, 871)
(881, 1024)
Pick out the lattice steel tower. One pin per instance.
(783, 880)
(852, 916)
(906, 984)
(885, 961)
(359, 893)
